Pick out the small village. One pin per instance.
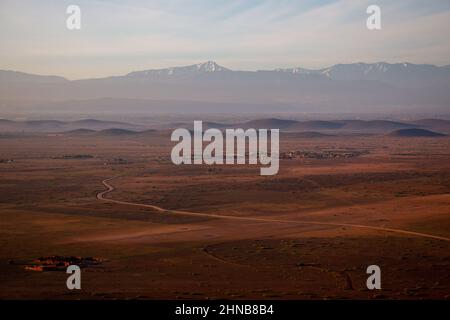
(325, 154)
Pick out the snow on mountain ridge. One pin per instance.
(205, 67)
(210, 66)
(397, 74)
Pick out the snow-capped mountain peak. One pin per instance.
(210, 66)
(205, 67)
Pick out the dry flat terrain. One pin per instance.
(338, 205)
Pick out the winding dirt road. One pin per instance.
(110, 188)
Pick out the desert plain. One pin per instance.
(338, 204)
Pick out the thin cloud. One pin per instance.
(247, 34)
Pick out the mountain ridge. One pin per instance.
(285, 125)
(212, 66)
(342, 88)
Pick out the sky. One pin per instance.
(118, 37)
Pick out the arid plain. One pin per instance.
(339, 204)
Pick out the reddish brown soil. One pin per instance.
(48, 206)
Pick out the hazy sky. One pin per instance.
(121, 36)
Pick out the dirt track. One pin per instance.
(110, 188)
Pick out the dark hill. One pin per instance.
(80, 131)
(415, 132)
(116, 132)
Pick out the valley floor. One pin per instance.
(49, 206)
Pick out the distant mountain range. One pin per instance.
(398, 74)
(337, 126)
(79, 126)
(310, 128)
(209, 87)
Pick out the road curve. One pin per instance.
(110, 188)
